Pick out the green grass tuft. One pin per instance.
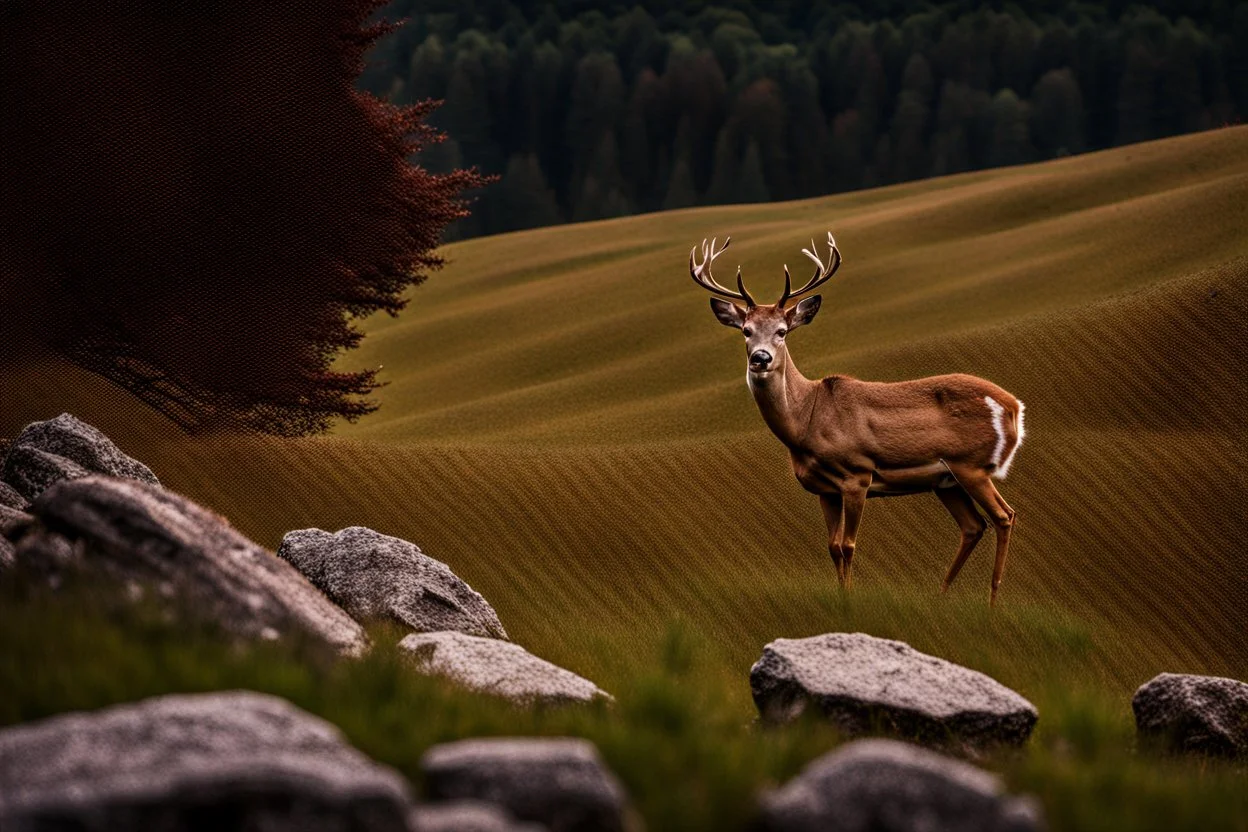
(691, 755)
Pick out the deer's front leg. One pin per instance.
(834, 515)
(854, 499)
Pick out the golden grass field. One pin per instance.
(569, 428)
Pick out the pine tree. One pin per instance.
(428, 72)
(1011, 143)
(595, 108)
(601, 193)
(1137, 104)
(723, 187)
(951, 145)
(752, 185)
(523, 199)
(846, 164)
(1181, 102)
(1057, 114)
(910, 121)
(466, 114)
(681, 192)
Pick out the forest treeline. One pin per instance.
(594, 110)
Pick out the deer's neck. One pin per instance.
(786, 399)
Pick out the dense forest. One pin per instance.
(591, 110)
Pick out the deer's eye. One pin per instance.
(780, 333)
(748, 332)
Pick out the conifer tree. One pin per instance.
(208, 244)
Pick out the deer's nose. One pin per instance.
(760, 358)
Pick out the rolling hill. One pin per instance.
(568, 427)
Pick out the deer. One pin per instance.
(851, 440)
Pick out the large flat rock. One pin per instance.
(145, 534)
(233, 760)
(64, 447)
(376, 576)
(882, 785)
(558, 782)
(1206, 714)
(866, 685)
(498, 667)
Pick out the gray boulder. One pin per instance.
(31, 470)
(468, 816)
(233, 760)
(142, 533)
(79, 442)
(560, 782)
(865, 685)
(1207, 714)
(9, 496)
(375, 576)
(498, 667)
(888, 786)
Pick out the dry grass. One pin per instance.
(568, 427)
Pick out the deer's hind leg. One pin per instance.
(972, 526)
(980, 487)
(834, 516)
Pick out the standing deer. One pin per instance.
(850, 440)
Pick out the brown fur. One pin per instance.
(850, 439)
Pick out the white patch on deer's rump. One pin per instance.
(1019, 433)
(998, 424)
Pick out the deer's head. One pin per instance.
(765, 326)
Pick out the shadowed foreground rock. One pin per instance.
(145, 534)
(865, 684)
(498, 667)
(373, 576)
(13, 520)
(889, 786)
(64, 448)
(12, 524)
(9, 496)
(1206, 714)
(561, 783)
(467, 816)
(234, 760)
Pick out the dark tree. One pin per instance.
(197, 203)
(523, 198)
(1057, 113)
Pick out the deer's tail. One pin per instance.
(1008, 425)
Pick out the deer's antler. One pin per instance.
(823, 271)
(701, 272)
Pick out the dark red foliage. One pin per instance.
(195, 202)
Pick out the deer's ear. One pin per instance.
(729, 314)
(804, 312)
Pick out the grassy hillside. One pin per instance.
(568, 427)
